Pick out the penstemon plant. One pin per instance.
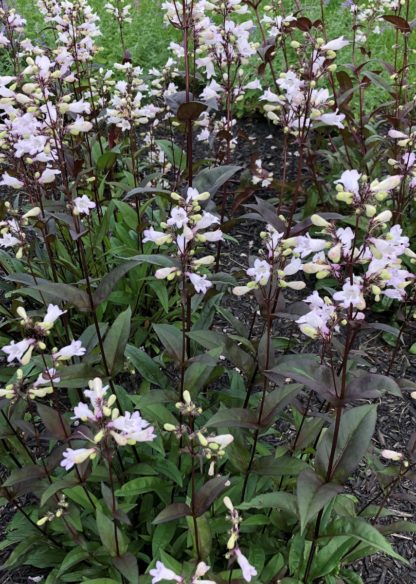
(173, 409)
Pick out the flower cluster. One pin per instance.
(161, 572)
(275, 268)
(187, 228)
(234, 552)
(107, 422)
(202, 444)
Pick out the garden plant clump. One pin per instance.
(172, 408)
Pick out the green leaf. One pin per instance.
(108, 283)
(60, 292)
(278, 500)
(361, 530)
(54, 422)
(74, 557)
(145, 366)
(207, 494)
(141, 485)
(276, 401)
(107, 533)
(329, 557)
(161, 537)
(211, 179)
(128, 567)
(116, 340)
(312, 495)
(171, 339)
(234, 418)
(355, 433)
(278, 467)
(172, 512)
(174, 154)
(55, 487)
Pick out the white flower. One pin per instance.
(83, 205)
(78, 456)
(349, 180)
(8, 240)
(18, 350)
(46, 377)
(11, 181)
(163, 273)
(48, 176)
(223, 440)
(157, 237)
(75, 349)
(351, 295)
(391, 455)
(387, 184)
(51, 316)
(132, 428)
(200, 571)
(206, 221)
(200, 283)
(335, 45)
(83, 412)
(213, 236)
(248, 570)
(332, 119)
(162, 573)
(178, 217)
(80, 125)
(260, 271)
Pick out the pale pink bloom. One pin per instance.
(335, 45)
(48, 176)
(213, 236)
(158, 237)
(8, 240)
(83, 205)
(52, 314)
(131, 427)
(247, 569)
(11, 181)
(96, 394)
(253, 85)
(200, 283)
(83, 412)
(200, 571)
(292, 267)
(79, 126)
(306, 245)
(162, 273)
(178, 217)
(350, 181)
(260, 271)
(223, 440)
(72, 457)
(271, 97)
(75, 349)
(387, 184)
(206, 221)
(46, 377)
(162, 573)
(16, 351)
(350, 295)
(79, 107)
(332, 119)
(4, 41)
(397, 135)
(391, 455)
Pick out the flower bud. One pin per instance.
(319, 221)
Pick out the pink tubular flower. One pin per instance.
(72, 457)
(247, 569)
(162, 573)
(75, 349)
(200, 283)
(17, 351)
(131, 428)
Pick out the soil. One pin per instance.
(396, 419)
